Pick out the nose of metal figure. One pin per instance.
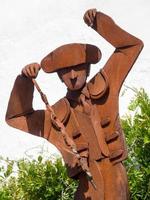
(73, 74)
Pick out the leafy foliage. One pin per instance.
(37, 180)
(137, 131)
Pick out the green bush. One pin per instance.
(47, 180)
(137, 133)
(36, 180)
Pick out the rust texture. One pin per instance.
(85, 124)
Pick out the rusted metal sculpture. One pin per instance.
(84, 125)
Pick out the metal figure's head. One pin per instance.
(74, 77)
(72, 63)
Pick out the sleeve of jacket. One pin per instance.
(20, 113)
(127, 49)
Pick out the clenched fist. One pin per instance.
(31, 70)
(89, 17)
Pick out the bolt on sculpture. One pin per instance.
(84, 125)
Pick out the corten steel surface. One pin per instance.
(89, 112)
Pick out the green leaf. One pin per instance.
(40, 159)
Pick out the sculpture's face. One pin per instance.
(74, 77)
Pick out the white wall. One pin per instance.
(31, 29)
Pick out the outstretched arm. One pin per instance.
(127, 47)
(20, 113)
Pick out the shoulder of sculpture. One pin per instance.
(98, 85)
(62, 109)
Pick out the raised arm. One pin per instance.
(20, 113)
(127, 47)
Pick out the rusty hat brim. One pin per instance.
(70, 55)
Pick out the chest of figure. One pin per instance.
(97, 132)
(87, 127)
(102, 130)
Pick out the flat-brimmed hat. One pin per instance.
(70, 55)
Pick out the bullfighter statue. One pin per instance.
(85, 125)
